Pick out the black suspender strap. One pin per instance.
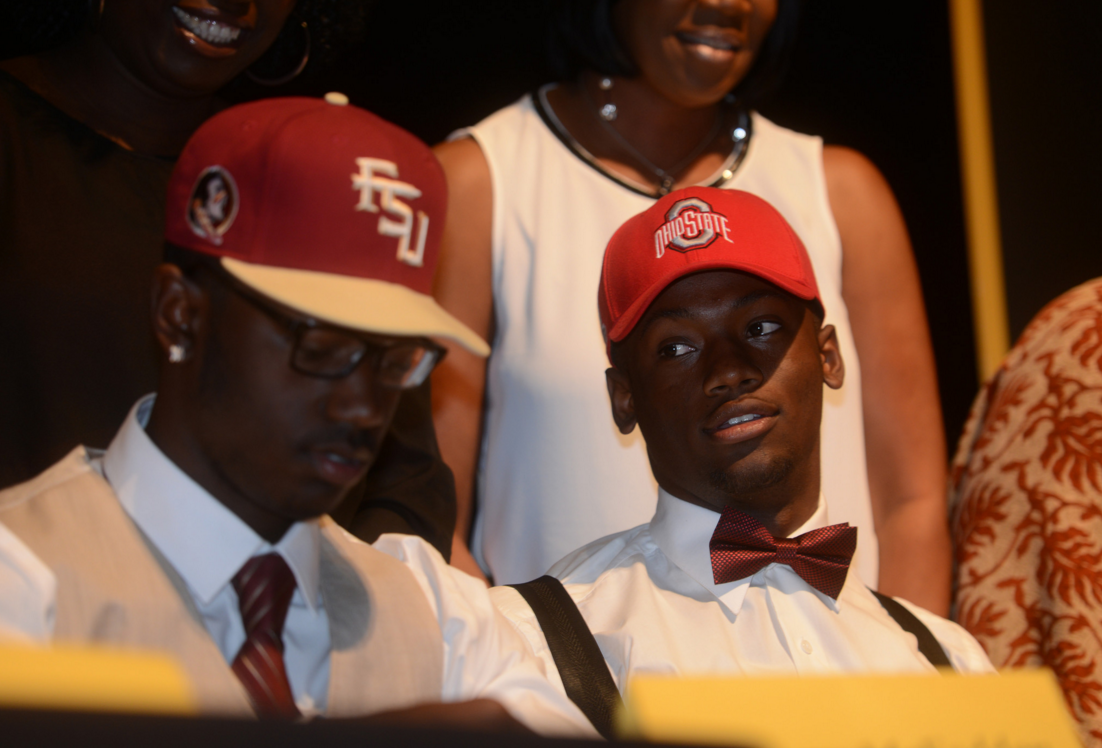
(908, 621)
(581, 665)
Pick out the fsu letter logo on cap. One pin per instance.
(690, 224)
(213, 204)
(378, 176)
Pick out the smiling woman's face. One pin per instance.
(693, 52)
(185, 48)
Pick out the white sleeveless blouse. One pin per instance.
(555, 472)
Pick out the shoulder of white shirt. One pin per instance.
(966, 654)
(591, 560)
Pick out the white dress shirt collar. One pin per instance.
(203, 540)
(683, 530)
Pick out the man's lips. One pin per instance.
(340, 465)
(210, 32)
(741, 420)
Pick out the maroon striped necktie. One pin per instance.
(741, 547)
(264, 588)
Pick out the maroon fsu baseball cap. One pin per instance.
(690, 231)
(322, 207)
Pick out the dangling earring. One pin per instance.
(608, 110)
(280, 80)
(738, 132)
(176, 353)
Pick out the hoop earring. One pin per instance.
(294, 73)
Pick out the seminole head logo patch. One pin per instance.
(690, 224)
(213, 204)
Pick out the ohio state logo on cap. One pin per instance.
(690, 224)
(213, 204)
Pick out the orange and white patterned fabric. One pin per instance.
(1026, 496)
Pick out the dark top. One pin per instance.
(81, 230)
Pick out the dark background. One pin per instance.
(872, 75)
(1046, 107)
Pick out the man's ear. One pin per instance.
(178, 305)
(834, 369)
(623, 406)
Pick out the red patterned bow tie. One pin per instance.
(741, 546)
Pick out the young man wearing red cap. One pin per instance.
(295, 308)
(711, 312)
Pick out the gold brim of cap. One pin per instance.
(357, 303)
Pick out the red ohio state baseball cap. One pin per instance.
(690, 231)
(322, 207)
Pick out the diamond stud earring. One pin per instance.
(176, 353)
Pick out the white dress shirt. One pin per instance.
(28, 592)
(649, 598)
(207, 544)
(484, 657)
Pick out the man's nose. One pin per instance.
(360, 400)
(731, 366)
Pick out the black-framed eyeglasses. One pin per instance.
(329, 352)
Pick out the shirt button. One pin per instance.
(805, 645)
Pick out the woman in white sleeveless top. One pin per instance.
(537, 189)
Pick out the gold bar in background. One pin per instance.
(981, 208)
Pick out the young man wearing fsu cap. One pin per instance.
(294, 309)
(719, 354)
